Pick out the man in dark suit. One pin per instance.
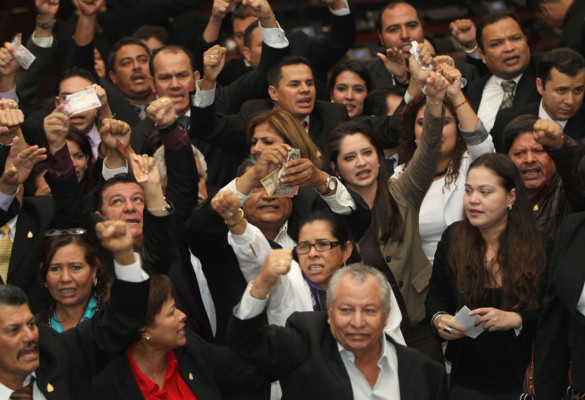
(561, 82)
(64, 363)
(341, 353)
(291, 87)
(504, 50)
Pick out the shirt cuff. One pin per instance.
(108, 173)
(44, 42)
(274, 37)
(341, 202)
(7, 199)
(407, 97)
(232, 186)
(60, 164)
(249, 306)
(203, 98)
(132, 272)
(10, 95)
(342, 12)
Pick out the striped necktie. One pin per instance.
(508, 99)
(24, 393)
(5, 252)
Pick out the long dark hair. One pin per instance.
(520, 254)
(406, 143)
(82, 141)
(385, 213)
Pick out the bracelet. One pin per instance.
(252, 294)
(434, 317)
(163, 208)
(434, 102)
(45, 25)
(240, 218)
(472, 50)
(460, 104)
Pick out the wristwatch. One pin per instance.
(330, 185)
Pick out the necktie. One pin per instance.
(184, 122)
(304, 124)
(508, 99)
(24, 393)
(5, 252)
(141, 109)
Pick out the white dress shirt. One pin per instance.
(542, 114)
(491, 99)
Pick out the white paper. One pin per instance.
(414, 51)
(468, 322)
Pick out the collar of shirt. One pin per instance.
(6, 392)
(542, 114)
(12, 225)
(89, 313)
(307, 119)
(283, 239)
(498, 81)
(147, 386)
(94, 140)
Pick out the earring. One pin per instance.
(147, 338)
(510, 207)
(94, 282)
(47, 286)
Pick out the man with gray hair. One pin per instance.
(342, 353)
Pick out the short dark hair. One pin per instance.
(146, 32)
(125, 41)
(566, 61)
(119, 178)
(375, 102)
(249, 32)
(492, 18)
(11, 295)
(241, 12)
(391, 5)
(73, 72)
(173, 49)
(161, 287)
(275, 73)
(520, 124)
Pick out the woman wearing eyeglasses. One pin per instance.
(323, 247)
(73, 274)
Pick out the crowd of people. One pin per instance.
(291, 223)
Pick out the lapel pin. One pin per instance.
(50, 388)
(29, 235)
(190, 376)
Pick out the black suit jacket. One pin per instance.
(305, 357)
(211, 372)
(575, 127)
(69, 360)
(561, 331)
(34, 218)
(525, 91)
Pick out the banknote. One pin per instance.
(271, 182)
(81, 101)
(22, 55)
(414, 52)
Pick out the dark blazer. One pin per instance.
(525, 91)
(69, 360)
(211, 372)
(305, 357)
(34, 218)
(575, 127)
(561, 330)
(207, 236)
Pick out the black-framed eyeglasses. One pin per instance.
(71, 231)
(323, 245)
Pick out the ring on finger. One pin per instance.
(447, 330)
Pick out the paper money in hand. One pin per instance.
(415, 53)
(271, 182)
(22, 55)
(81, 101)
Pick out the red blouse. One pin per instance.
(174, 387)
